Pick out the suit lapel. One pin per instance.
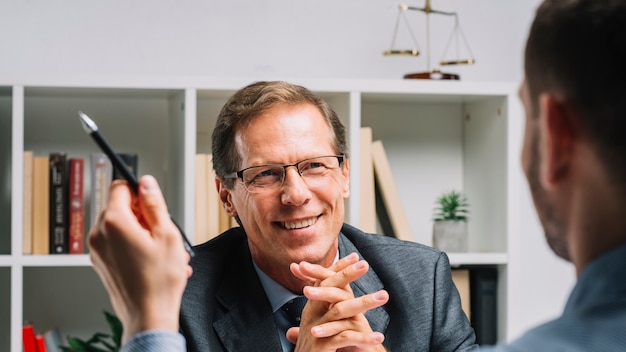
(369, 283)
(248, 323)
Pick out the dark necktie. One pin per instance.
(293, 310)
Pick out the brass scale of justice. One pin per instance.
(454, 37)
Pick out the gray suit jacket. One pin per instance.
(225, 308)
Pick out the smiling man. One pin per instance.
(282, 166)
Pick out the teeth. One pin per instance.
(299, 224)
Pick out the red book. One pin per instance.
(28, 338)
(76, 211)
(41, 343)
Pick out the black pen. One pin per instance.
(92, 129)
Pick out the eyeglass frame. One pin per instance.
(239, 174)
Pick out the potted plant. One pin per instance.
(450, 222)
(99, 342)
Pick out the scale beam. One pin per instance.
(457, 32)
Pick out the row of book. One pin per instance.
(380, 199)
(54, 207)
(48, 341)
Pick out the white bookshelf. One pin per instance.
(438, 136)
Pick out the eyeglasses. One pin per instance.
(267, 178)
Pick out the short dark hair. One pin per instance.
(252, 101)
(576, 49)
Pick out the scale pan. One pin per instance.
(401, 52)
(433, 75)
(457, 62)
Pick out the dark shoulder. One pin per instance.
(217, 252)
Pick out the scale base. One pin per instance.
(434, 75)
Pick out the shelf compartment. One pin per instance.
(143, 121)
(441, 143)
(69, 298)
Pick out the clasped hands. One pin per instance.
(333, 319)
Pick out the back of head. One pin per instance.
(576, 50)
(252, 101)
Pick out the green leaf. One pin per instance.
(451, 205)
(77, 344)
(116, 328)
(99, 341)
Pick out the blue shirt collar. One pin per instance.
(600, 280)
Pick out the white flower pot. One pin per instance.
(450, 235)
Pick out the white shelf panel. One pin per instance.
(458, 259)
(6, 260)
(56, 260)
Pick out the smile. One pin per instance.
(299, 224)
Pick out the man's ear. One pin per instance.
(225, 195)
(346, 177)
(557, 133)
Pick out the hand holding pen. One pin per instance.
(92, 129)
(139, 257)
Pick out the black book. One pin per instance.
(59, 183)
(484, 304)
(131, 160)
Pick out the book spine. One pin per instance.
(27, 204)
(76, 208)
(367, 214)
(389, 208)
(101, 176)
(41, 343)
(53, 340)
(41, 205)
(201, 213)
(483, 304)
(29, 341)
(461, 279)
(214, 205)
(58, 203)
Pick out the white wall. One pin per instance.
(281, 39)
(250, 38)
